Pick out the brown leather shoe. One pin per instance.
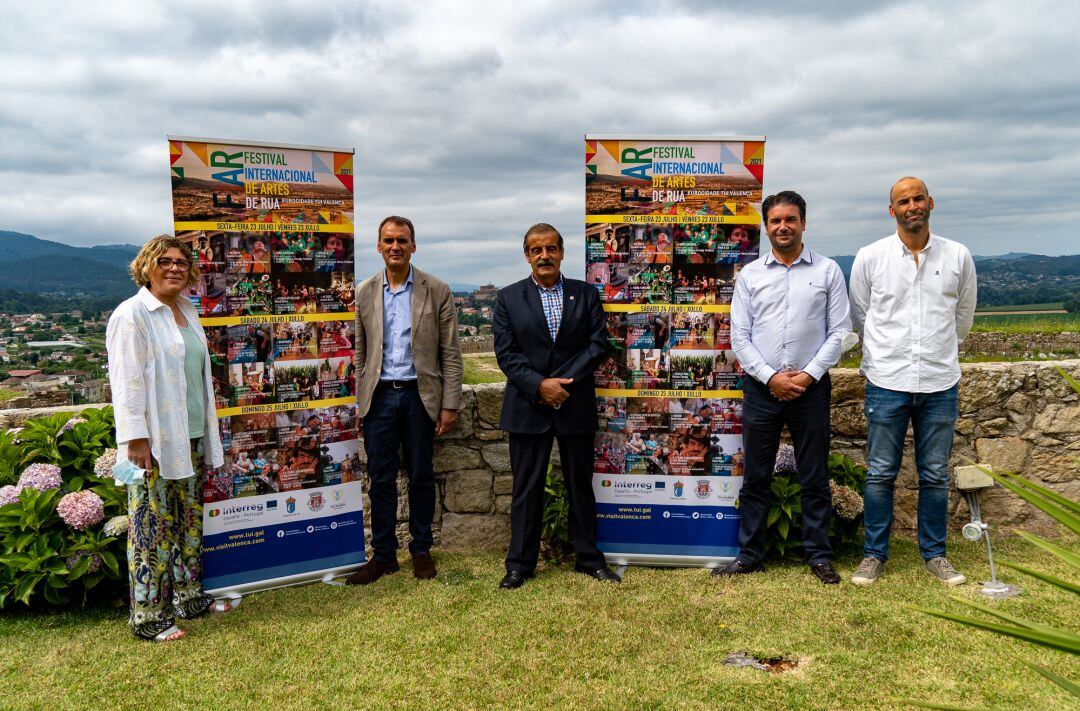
(371, 571)
(423, 567)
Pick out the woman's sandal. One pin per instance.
(195, 607)
(159, 631)
(198, 606)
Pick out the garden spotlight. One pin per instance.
(971, 480)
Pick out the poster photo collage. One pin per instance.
(277, 308)
(668, 397)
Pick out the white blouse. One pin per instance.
(146, 374)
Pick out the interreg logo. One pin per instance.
(632, 486)
(678, 489)
(242, 509)
(290, 505)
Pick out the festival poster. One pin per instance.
(271, 228)
(669, 222)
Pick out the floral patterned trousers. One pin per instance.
(165, 542)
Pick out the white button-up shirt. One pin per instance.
(789, 318)
(146, 374)
(913, 316)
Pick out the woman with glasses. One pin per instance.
(167, 434)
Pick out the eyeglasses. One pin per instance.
(167, 264)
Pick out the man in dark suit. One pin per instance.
(549, 337)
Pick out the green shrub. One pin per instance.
(43, 557)
(783, 533)
(555, 534)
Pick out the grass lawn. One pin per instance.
(1021, 323)
(481, 368)
(563, 640)
(1049, 306)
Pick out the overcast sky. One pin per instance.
(469, 117)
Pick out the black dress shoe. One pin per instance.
(513, 579)
(737, 567)
(605, 574)
(825, 573)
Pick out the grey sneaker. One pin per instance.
(869, 570)
(942, 569)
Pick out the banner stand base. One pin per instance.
(333, 579)
(227, 602)
(620, 570)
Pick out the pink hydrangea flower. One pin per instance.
(40, 477)
(81, 509)
(9, 494)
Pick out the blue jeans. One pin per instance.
(933, 419)
(397, 424)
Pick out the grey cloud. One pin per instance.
(470, 119)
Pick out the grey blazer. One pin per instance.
(436, 353)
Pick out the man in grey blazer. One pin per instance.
(408, 369)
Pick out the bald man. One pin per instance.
(913, 301)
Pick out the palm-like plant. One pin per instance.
(1066, 512)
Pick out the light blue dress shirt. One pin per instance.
(397, 358)
(789, 318)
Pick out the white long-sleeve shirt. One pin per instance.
(789, 318)
(146, 374)
(912, 317)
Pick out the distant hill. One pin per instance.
(39, 266)
(59, 274)
(1016, 278)
(16, 245)
(1004, 257)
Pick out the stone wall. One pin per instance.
(1013, 345)
(1021, 345)
(1022, 417)
(1017, 416)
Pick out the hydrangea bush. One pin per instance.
(63, 520)
(847, 480)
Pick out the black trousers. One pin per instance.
(807, 418)
(529, 456)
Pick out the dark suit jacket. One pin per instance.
(527, 355)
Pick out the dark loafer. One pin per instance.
(423, 567)
(737, 567)
(605, 574)
(513, 579)
(825, 573)
(371, 571)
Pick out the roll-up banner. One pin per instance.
(669, 222)
(271, 226)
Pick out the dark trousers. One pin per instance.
(397, 421)
(529, 455)
(807, 418)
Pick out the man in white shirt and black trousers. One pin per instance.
(789, 320)
(913, 298)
